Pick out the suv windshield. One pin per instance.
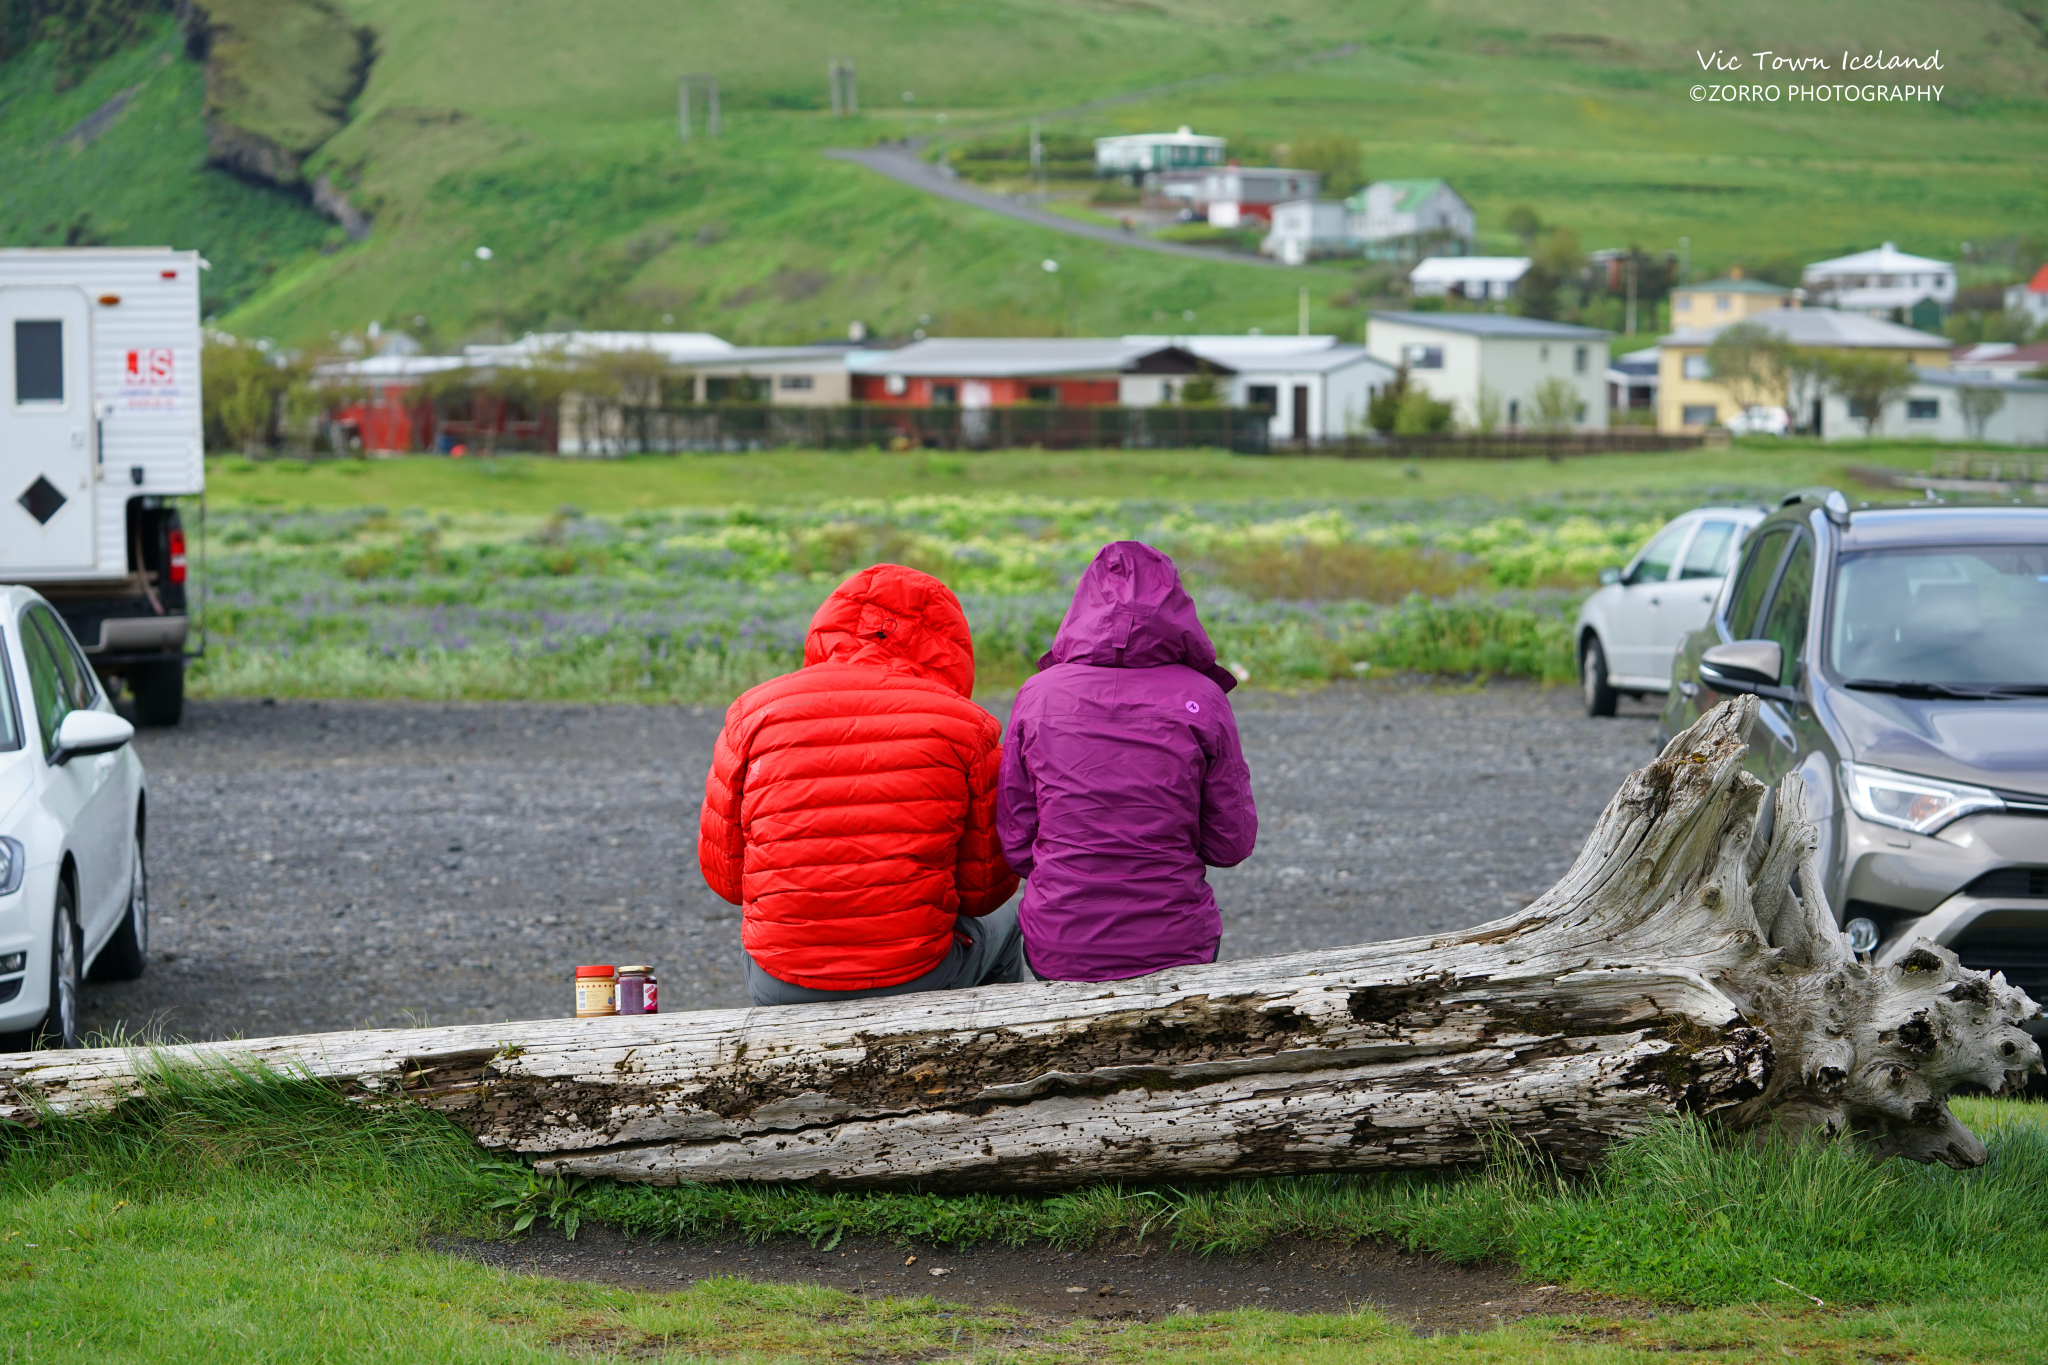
(1950, 619)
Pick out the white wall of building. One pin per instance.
(2021, 421)
(1513, 367)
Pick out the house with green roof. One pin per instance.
(1413, 217)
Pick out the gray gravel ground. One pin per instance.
(329, 865)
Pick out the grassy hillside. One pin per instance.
(547, 133)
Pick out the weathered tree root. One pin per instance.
(1683, 965)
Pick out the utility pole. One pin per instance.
(1631, 328)
(706, 82)
(1037, 161)
(1685, 260)
(845, 95)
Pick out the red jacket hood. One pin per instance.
(892, 617)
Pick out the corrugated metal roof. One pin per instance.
(998, 357)
(1494, 325)
(1822, 327)
(1733, 287)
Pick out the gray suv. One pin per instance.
(1901, 655)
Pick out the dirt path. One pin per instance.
(1114, 1283)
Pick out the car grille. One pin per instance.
(2012, 881)
(2020, 952)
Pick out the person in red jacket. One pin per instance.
(850, 807)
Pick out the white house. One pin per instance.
(1473, 360)
(1472, 277)
(1389, 212)
(1938, 407)
(2030, 300)
(1138, 153)
(1304, 229)
(1315, 386)
(2000, 359)
(1881, 280)
(678, 348)
(1236, 196)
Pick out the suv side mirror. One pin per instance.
(1751, 666)
(1609, 577)
(90, 732)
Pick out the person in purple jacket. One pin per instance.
(1121, 778)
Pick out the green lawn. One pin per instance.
(269, 1220)
(532, 486)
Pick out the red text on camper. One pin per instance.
(151, 365)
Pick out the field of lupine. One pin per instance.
(697, 604)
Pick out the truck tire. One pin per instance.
(159, 692)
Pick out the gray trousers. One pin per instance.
(993, 952)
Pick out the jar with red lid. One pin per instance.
(597, 992)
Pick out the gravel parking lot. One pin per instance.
(330, 865)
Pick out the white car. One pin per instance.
(74, 894)
(1760, 421)
(1628, 632)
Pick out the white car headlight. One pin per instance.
(13, 862)
(1904, 801)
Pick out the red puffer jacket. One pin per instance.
(851, 805)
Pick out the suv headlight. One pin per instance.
(1904, 801)
(13, 862)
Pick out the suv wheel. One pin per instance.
(1600, 698)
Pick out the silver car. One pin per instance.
(1628, 631)
(1901, 655)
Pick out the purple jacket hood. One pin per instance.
(1130, 611)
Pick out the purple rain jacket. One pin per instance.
(1121, 777)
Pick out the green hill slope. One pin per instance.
(547, 133)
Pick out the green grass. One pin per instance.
(144, 181)
(549, 136)
(261, 1218)
(538, 486)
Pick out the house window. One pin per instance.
(945, 395)
(1720, 303)
(1543, 351)
(1264, 396)
(1421, 357)
(1695, 367)
(1859, 409)
(1697, 415)
(1923, 409)
(1579, 414)
(797, 382)
(1578, 360)
(741, 390)
(1041, 393)
(1514, 412)
(1685, 303)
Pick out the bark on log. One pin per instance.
(1686, 964)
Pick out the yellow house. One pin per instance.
(1696, 306)
(1689, 401)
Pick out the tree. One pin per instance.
(1557, 404)
(1384, 411)
(1869, 383)
(1335, 157)
(1555, 264)
(1806, 379)
(1488, 409)
(244, 388)
(1686, 964)
(1421, 415)
(1523, 222)
(1979, 406)
(1749, 361)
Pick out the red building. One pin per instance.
(1000, 372)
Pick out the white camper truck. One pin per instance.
(99, 430)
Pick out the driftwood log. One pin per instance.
(1687, 963)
